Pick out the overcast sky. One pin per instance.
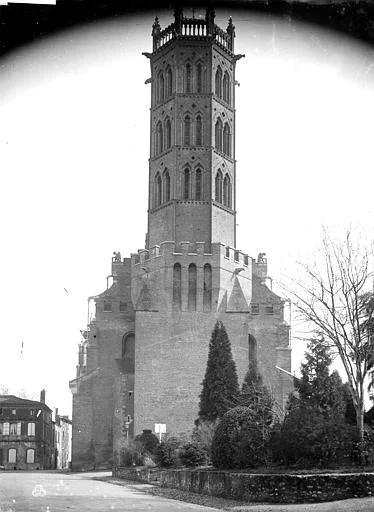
(74, 147)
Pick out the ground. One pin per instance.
(98, 492)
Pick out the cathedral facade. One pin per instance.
(143, 358)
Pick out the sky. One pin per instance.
(74, 148)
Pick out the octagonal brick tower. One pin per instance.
(192, 152)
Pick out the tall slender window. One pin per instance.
(226, 183)
(207, 298)
(198, 185)
(177, 286)
(188, 87)
(160, 87)
(252, 348)
(199, 131)
(187, 131)
(227, 140)
(199, 77)
(168, 134)
(169, 82)
(218, 82)
(218, 187)
(229, 197)
(186, 184)
(192, 276)
(12, 455)
(158, 194)
(30, 456)
(166, 182)
(226, 88)
(218, 134)
(159, 138)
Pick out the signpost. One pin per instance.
(160, 428)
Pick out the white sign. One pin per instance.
(160, 428)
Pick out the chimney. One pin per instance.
(42, 396)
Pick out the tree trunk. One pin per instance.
(360, 416)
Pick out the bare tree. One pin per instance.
(335, 297)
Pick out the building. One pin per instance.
(26, 433)
(62, 438)
(142, 359)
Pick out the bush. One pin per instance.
(192, 454)
(203, 436)
(167, 452)
(240, 441)
(147, 442)
(131, 455)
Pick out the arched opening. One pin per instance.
(226, 87)
(199, 77)
(158, 192)
(159, 138)
(218, 186)
(227, 140)
(207, 298)
(218, 134)
(128, 352)
(177, 286)
(30, 456)
(198, 185)
(218, 82)
(166, 182)
(192, 287)
(187, 131)
(188, 83)
(226, 191)
(252, 349)
(160, 87)
(168, 134)
(169, 82)
(12, 455)
(186, 184)
(199, 131)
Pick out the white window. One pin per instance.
(6, 429)
(12, 455)
(19, 428)
(30, 456)
(14, 411)
(31, 429)
(13, 429)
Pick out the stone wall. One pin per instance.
(275, 488)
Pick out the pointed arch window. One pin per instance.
(199, 77)
(227, 191)
(218, 186)
(188, 84)
(166, 183)
(218, 82)
(187, 131)
(199, 131)
(159, 138)
(252, 348)
(177, 286)
(227, 140)
(198, 185)
(168, 133)
(169, 82)
(192, 287)
(186, 183)
(226, 88)
(160, 87)
(207, 297)
(218, 134)
(158, 191)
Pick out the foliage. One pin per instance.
(167, 452)
(315, 430)
(131, 455)
(256, 396)
(333, 297)
(203, 436)
(239, 440)
(192, 454)
(220, 384)
(147, 442)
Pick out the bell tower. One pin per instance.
(192, 149)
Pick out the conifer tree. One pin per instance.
(256, 396)
(220, 384)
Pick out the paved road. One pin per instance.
(55, 492)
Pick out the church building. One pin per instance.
(143, 358)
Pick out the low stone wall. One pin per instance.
(276, 488)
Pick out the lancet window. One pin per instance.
(186, 183)
(168, 134)
(177, 286)
(226, 88)
(187, 131)
(218, 82)
(218, 134)
(227, 140)
(199, 131)
(218, 186)
(159, 138)
(207, 297)
(192, 286)
(198, 185)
